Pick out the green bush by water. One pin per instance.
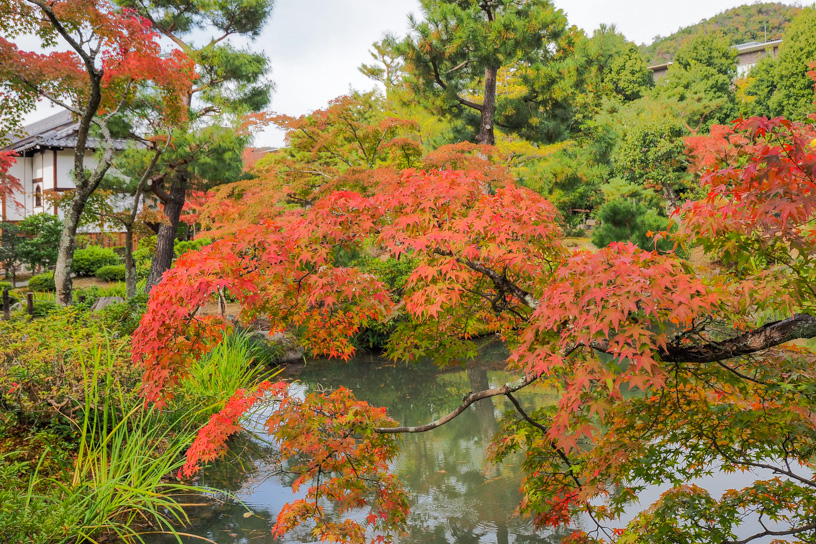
(231, 365)
(118, 481)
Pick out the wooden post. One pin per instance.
(30, 303)
(81, 299)
(6, 305)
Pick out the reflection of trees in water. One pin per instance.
(456, 499)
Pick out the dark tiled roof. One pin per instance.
(56, 131)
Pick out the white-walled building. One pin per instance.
(45, 162)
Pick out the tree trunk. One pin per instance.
(485, 135)
(165, 238)
(130, 266)
(65, 254)
(672, 202)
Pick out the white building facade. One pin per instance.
(45, 163)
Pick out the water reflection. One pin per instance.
(457, 498)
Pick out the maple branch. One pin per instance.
(358, 140)
(770, 335)
(543, 428)
(37, 89)
(467, 400)
(76, 46)
(321, 146)
(768, 532)
(499, 281)
(800, 326)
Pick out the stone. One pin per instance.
(103, 302)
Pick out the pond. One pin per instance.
(457, 497)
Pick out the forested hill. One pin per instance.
(741, 24)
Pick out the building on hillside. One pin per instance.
(253, 154)
(45, 163)
(748, 54)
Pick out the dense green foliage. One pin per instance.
(81, 456)
(759, 22)
(701, 78)
(115, 272)
(781, 87)
(42, 282)
(32, 242)
(90, 259)
(182, 247)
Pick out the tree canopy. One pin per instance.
(645, 351)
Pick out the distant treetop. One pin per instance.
(755, 22)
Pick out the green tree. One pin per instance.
(629, 214)
(11, 240)
(42, 233)
(782, 87)
(614, 65)
(387, 67)
(650, 150)
(231, 82)
(456, 50)
(701, 79)
(628, 74)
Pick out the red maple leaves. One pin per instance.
(123, 47)
(9, 185)
(210, 443)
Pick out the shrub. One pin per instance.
(111, 273)
(42, 282)
(231, 365)
(87, 261)
(4, 285)
(43, 307)
(118, 476)
(181, 248)
(40, 371)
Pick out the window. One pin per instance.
(38, 200)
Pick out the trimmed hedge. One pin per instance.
(87, 261)
(42, 282)
(111, 273)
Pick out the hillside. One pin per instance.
(741, 24)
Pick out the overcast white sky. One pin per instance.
(316, 45)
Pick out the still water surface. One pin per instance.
(457, 497)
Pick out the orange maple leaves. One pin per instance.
(286, 269)
(210, 442)
(120, 46)
(329, 441)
